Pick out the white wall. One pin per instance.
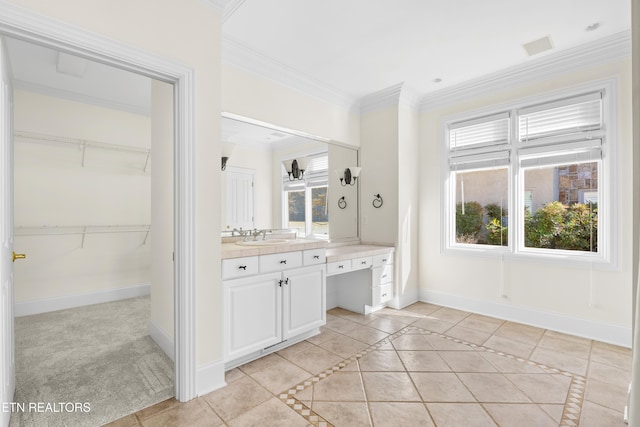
(253, 96)
(390, 167)
(52, 188)
(379, 175)
(534, 289)
(161, 190)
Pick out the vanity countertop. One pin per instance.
(233, 250)
(342, 253)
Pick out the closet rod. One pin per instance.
(55, 230)
(82, 143)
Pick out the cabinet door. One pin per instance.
(253, 314)
(304, 305)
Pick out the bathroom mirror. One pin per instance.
(257, 191)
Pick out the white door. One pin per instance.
(253, 314)
(7, 373)
(304, 300)
(240, 198)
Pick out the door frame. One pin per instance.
(22, 24)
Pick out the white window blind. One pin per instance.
(572, 115)
(575, 152)
(480, 161)
(490, 130)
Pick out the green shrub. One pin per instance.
(559, 226)
(496, 232)
(470, 223)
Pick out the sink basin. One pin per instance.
(267, 242)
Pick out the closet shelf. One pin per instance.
(83, 144)
(83, 230)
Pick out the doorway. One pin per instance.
(46, 32)
(82, 212)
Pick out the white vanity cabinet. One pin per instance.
(285, 300)
(253, 314)
(362, 284)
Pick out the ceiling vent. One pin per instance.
(71, 65)
(538, 46)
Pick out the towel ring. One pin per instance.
(377, 201)
(342, 203)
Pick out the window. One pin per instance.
(306, 207)
(555, 150)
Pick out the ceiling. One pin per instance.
(353, 48)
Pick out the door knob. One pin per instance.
(18, 256)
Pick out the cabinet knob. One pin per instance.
(242, 267)
(384, 260)
(384, 295)
(316, 257)
(363, 262)
(284, 261)
(384, 275)
(280, 283)
(341, 267)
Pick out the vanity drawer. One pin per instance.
(239, 267)
(361, 263)
(314, 256)
(280, 261)
(384, 259)
(338, 267)
(382, 275)
(382, 294)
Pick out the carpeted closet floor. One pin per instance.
(98, 357)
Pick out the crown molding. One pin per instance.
(230, 9)
(77, 97)
(602, 51)
(399, 94)
(388, 97)
(242, 56)
(217, 5)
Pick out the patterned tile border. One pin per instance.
(570, 414)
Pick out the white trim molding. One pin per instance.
(162, 339)
(46, 31)
(45, 305)
(209, 377)
(599, 52)
(236, 53)
(608, 333)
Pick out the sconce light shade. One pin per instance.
(287, 166)
(295, 168)
(349, 176)
(226, 149)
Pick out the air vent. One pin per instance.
(538, 46)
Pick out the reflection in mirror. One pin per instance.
(276, 178)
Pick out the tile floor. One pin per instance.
(424, 365)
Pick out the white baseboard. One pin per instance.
(163, 339)
(612, 334)
(210, 377)
(404, 300)
(45, 305)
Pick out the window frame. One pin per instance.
(307, 184)
(608, 236)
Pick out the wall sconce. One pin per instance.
(226, 150)
(349, 176)
(296, 167)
